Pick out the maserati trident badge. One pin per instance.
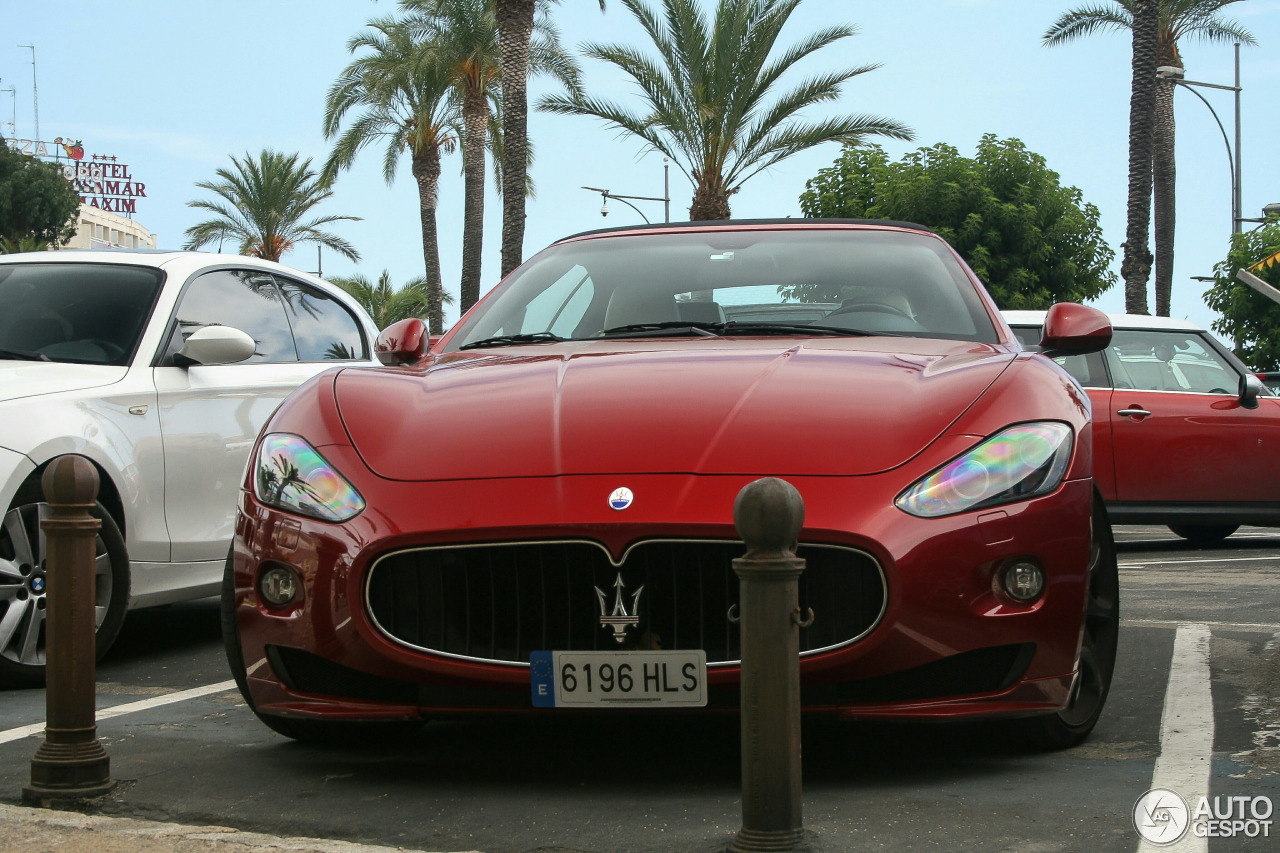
(620, 620)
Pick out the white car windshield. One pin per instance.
(805, 282)
(82, 313)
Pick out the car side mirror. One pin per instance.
(215, 345)
(1251, 388)
(1071, 329)
(403, 342)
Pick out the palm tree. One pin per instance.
(1197, 19)
(463, 36)
(515, 19)
(261, 204)
(385, 303)
(705, 94)
(407, 102)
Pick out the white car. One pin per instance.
(160, 367)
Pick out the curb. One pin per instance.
(30, 829)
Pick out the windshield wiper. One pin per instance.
(507, 340)
(24, 356)
(666, 327)
(736, 327)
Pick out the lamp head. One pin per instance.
(1170, 72)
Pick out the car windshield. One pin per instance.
(82, 313)
(735, 282)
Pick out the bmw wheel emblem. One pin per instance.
(621, 498)
(37, 585)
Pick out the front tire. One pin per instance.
(1070, 726)
(1204, 535)
(23, 585)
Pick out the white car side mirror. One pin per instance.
(215, 345)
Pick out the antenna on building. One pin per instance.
(13, 125)
(35, 90)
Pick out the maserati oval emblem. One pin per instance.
(621, 498)
(619, 619)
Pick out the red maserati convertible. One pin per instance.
(534, 513)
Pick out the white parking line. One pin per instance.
(1186, 730)
(1141, 564)
(131, 708)
(1244, 627)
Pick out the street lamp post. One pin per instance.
(666, 196)
(1173, 74)
(35, 90)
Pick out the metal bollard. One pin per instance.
(71, 763)
(768, 515)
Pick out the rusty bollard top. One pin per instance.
(70, 481)
(768, 515)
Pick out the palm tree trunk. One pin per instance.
(1136, 266)
(515, 28)
(710, 201)
(1164, 173)
(426, 171)
(475, 119)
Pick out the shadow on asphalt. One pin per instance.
(637, 752)
(175, 628)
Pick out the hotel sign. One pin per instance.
(101, 181)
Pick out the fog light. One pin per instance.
(1024, 581)
(278, 586)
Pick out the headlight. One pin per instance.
(1019, 463)
(290, 474)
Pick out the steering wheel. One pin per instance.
(110, 350)
(1219, 391)
(877, 307)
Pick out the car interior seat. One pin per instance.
(701, 312)
(639, 304)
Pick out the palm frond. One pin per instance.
(706, 91)
(1085, 21)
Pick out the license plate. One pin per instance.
(619, 679)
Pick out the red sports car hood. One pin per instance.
(840, 406)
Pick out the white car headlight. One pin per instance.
(1018, 463)
(290, 474)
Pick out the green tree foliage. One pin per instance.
(386, 303)
(262, 207)
(710, 99)
(397, 95)
(1249, 319)
(1032, 241)
(37, 205)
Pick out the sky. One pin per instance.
(175, 87)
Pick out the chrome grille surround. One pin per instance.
(477, 600)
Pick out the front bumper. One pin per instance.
(946, 646)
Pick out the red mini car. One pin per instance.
(535, 512)
(1183, 433)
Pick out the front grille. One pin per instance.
(500, 602)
